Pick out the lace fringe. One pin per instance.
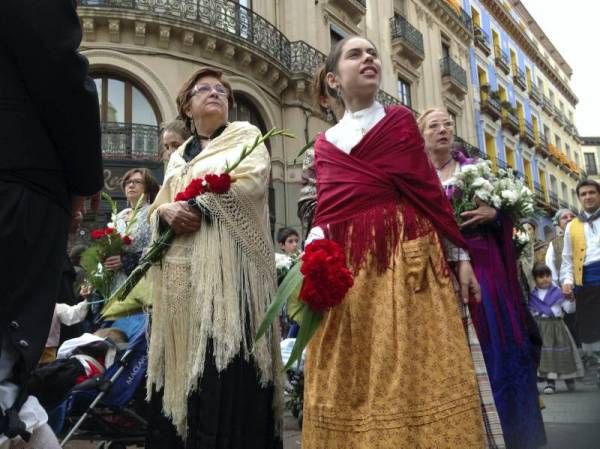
(203, 300)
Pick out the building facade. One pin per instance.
(524, 105)
(509, 95)
(591, 156)
(141, 52)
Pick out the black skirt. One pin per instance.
(229, 410)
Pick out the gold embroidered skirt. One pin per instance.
(390, 367)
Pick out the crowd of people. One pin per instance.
(438, 343)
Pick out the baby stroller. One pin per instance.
(294, 387)
(110, 405)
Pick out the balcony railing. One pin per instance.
(489, 102)
(472, 150)
(458, 13)
(560, 118)
(547, 105)
(412, 38)
(454, 72)
(130, 141)
(540, 192)
(482, 40)
(305, 59)
(509, 119)
(535, 94)
(519, 78)
(501, 59)
(526, 133)
(500, 163)
(553, 200)
(230, 19)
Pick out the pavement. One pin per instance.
(572, 419)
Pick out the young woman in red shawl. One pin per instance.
(390, 367)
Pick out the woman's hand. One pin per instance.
(181, 217)
(469, 286)
(483, 214)
(113, 263)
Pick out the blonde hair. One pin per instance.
(422, 120)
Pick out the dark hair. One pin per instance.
(318, 85)
(284, 233)
(183, 97)
(587, 182)
(331, 66)
(151, 187)
(540, 270)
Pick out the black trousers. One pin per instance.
(33, 239)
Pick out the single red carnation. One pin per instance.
(127, 240)
(108, 231)
(218, 183)
(96, 234)
(326, 277)
(192, 190)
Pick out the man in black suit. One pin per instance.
(50, 160)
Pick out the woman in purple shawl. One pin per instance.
(505, 329)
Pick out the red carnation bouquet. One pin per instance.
(107, 241)
(214, 183)
(317, 283)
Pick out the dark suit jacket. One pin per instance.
(49, 114)
(49, 151)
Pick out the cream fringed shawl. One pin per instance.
(217, 282)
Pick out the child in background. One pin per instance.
(288, 244)
(559, 359)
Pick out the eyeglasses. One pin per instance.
(138, 182)
(438, 125)
(205, 89)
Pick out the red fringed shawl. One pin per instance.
(387, 178)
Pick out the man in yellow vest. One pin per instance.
(580, 268)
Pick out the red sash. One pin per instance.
(386, 178)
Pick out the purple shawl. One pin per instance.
(544, 307)
(497, 273)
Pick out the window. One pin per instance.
(557, 141)
(129, 118)
(565, 191)
(335, 35)
(590, 163)
(445, 48)
(121, 101)
(568, 150)
(404, 92)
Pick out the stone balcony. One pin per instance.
(130, 141)
(454, 77)
(407, 41)
(482, 40)
(535, 94)
(501, 60)
(510, 122)
(221, 30)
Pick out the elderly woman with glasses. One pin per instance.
(217, 386)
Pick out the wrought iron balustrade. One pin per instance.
(402, 29)
(452, 69)
(227, 17)
(482, 39)
(130, 141)
(305, 59)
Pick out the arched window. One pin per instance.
(129, 118)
